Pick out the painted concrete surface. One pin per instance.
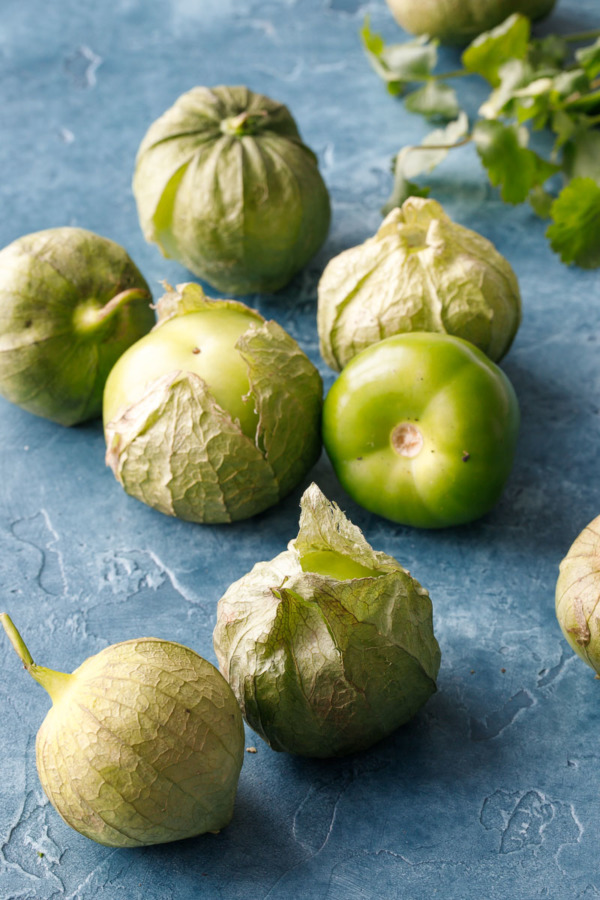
(492, 791)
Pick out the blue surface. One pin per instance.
(492, 791)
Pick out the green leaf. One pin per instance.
(565, 84)
(435, 100)
(512, 167)
(540, 201)
(399, 64)
(564, 126)
(548, 53)
(513, 75)
(416, 160)
(491, 50)
(411, 61)
(581, 155)
(433, 149)
(589, 59)
(575, 232)
(402, 190)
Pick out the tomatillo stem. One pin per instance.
(407, 440)
(16, 640)
(54, 682)
(244, 123)
(89, 316)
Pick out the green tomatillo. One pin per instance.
(328, 647)
(215, 415)
(421, 428)
(459, 21)
(143, 744)
(578, 595)
(71, 302)
(225, 185)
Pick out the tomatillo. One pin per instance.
(215, 415)
(421, 429)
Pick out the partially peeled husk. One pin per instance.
(578, 595)
(321, 665)
(178, 451)
(143, 744)
(420, 272)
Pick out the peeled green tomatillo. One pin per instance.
(459, 21)
(215, 415)
(143, 744)
(224, 185)
(330, 646)
(421, 428)
(71, 302)
(420, 272)
(578, 595)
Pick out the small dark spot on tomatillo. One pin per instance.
(466, 456)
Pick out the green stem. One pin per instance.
(466, 140)
(244, 123)
(16, 640)
(53, 682)
(88, 317)
(582, 101)
(580, 36)
(455, 73)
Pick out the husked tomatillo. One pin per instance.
(421, 428)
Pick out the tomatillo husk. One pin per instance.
(143, 744)
(225, 185)
(328, 647)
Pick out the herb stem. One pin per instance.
(580, 36)
(466, 140)
(455, 73)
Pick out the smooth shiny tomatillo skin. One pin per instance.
(421, 429)
(334, 565)
(199, 342)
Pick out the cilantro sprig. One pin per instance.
(536, 84)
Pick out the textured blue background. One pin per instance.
(492, 791)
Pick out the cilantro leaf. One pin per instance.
(492, 49)
(564, 126)
(399, 64)
(435, 100)
(402, 190)
(589, 59)
(546, 53)
(540, 201)
(581, 155)
(510, 165)
(413, 161)
(575, 232)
